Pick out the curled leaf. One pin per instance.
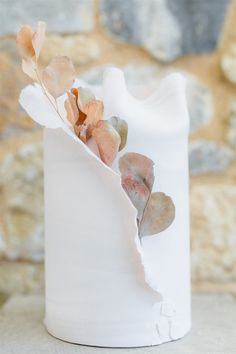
(58, 76)
(38, 38)
(24, 41)
(82, 115)
(71, 108)
(137, 178)
(158, 214)
(30, 43)
(108, 141)
(121, 127)
(85, 95)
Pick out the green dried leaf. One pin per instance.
(158, 214)
(121, 127)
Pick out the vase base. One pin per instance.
(109, 338)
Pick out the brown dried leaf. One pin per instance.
(24, 42)
(29, 68)
(108, 141)
(38, 38)
(71, 108)
(121, 127)
(158, 214)
(85, 95)
(58, 76)
(82, 115)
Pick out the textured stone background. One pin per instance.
(147, 39)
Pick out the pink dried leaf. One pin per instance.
(138, 166)
(94, 113)
(29, 68)
(24, 42)
(158, 214)
(108, 141)
(121, 127)
(138, 193)
(71, 108)
(38, 38)
(139, 169)
(58, 77)
(85, 95)
(82, 131)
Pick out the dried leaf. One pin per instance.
(138, 193)
(158, 215)
(121, 127)
(108, 141)
(137, 178)
(24, 42)
(71, 108)
(38, 38)
(82, 115)
(29, 68)
(94, 113)
(85, 95)
(58, 76)
(138, 166)
(82, 132)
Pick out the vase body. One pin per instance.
(104, 287)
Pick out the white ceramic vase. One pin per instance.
(104, 287)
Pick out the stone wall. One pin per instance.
(147, 39)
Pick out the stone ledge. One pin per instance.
(22, 330)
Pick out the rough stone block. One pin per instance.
(21, 193)
(209, 157)
(166, 28)
(213, 225)
(60, 16)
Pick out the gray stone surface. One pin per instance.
(201, 23)
(208, 156)
(200, 103)
(60, 15)
(22, 330)
(166, 28)
(199, 97)
(146, 23)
